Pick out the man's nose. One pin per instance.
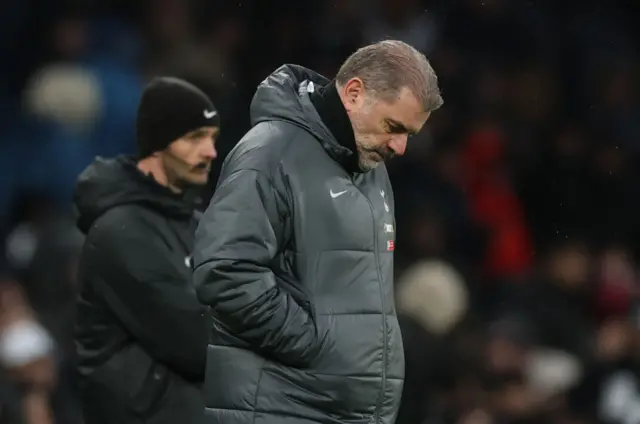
(398, 144)
(209, 152)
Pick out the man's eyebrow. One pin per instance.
(400, 127)
(202, 132)
(196, 133)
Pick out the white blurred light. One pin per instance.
(24, 342)
(434, 294)
(65, 93)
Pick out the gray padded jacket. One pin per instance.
(295, 257)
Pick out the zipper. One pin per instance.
(384, 320)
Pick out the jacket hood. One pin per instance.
(108, 183)
(284, 96)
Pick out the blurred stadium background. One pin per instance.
(518, 207)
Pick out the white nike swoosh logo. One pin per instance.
(334, 195)
(208, 114)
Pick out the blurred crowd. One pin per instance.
(517, 207)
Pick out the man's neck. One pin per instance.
(152, 166)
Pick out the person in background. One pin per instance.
(27, 360)
(141, 334)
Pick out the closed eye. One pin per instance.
(394, 127)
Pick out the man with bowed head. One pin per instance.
(295, 252)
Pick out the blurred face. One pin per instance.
(504, 356)
(187, 161)
(569, 267)
(381, 127)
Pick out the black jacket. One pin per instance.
(295, 256)
(141, 334)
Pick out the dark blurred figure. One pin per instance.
(41, 250)
(432, 299)
(28, 375)
(560, 298)
(609, 391)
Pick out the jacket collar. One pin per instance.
(328, 104)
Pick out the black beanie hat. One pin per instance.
(169, 109)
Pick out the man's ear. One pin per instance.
(353, 94)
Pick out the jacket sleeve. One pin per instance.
(237, 239)
(142, 285)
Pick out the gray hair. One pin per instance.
(388, 66)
